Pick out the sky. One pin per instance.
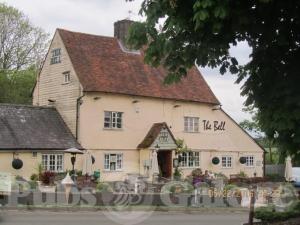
(98, 16)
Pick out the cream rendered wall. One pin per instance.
(30, 163)
(138, 119)
(50, 85)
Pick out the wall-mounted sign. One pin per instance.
(214, 125)
(5, 182)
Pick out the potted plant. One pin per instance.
(177, 174)
(47, 182)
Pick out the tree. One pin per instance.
(21, 43)
(253, 127)
(22, 49)
(16, 86)
(202, 31)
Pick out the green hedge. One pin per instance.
(268, 214)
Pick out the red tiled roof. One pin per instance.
(102, 65)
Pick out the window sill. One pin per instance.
(112, 171)
(113, 129)
(191, 132)
(186, 168)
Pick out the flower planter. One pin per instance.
(46, 188)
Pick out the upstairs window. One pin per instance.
(113, 120)
(66, 77)
(55, 56)
(191, 124)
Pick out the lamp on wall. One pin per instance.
(217, 107)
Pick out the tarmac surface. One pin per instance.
(36, 217)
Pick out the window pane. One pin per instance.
(119, 161)
(106, 161)
(196, 159)
(45, 162)
(183, 159)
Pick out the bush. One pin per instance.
(268, 214)
(221, 175)
(178, 187)
(34, 177)
(243, 174)
(32, 184)
(103, 187)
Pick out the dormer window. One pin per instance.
(66, 77)
(55, 57)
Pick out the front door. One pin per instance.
(165, 163)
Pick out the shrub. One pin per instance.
(177, 188)
(33, 184)
(47, 177)
(268, 214)
(177, 174)
(243, 174)
(34, 177)
(221, 175)
(103, 187)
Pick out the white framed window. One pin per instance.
(226, 161)
(190, 159)
(55, 56)
(66, 77)
(53, 162)
(191, 124)
(249, 161)
(113, 162)
(113, 120)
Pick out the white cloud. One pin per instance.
(98, 16)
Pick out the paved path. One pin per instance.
(99, 218)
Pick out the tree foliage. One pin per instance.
(202, 31)
(21, 43)
(22, 49)
(16, 86)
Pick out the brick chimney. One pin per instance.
(121, 28)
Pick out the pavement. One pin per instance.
(41, 217)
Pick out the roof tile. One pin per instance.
(102, 65)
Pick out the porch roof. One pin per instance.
(153, 134)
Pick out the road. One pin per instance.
(126, 218)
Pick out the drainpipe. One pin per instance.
(264, 166)
(78, 103)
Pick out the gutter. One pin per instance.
(78, 103)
